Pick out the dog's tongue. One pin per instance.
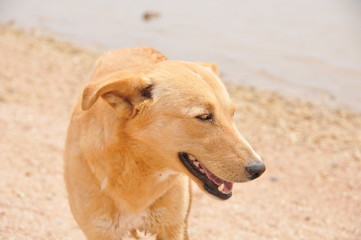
(227, 185)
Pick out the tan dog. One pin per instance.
(143, 126)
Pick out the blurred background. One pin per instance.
(293, 69)
(302, 47)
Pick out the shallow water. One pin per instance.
(304, 48)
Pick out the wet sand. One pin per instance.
(311, 189)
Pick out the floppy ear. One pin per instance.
(211, 66)
(117, 89)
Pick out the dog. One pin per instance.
(144, 127)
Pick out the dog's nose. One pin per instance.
(255, 169)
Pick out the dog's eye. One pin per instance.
(205, 117)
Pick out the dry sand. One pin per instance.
(311, 189)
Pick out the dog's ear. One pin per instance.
(211, 66)
(118, 89)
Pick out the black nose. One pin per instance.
(255, 169)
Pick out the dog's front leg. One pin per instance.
(171, 211)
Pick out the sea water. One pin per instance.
(304, 48)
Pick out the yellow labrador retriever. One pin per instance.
(142, 128)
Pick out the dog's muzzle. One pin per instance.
(214, 185)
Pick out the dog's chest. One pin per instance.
(122, 224)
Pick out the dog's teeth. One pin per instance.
(221, 187)
(201, 170)
(196, 163)
(192, 158)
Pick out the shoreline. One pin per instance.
(322, 99)
(292, 48)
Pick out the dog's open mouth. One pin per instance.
(212, 184)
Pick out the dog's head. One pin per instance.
(182, 114)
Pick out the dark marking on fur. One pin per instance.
(147, 92)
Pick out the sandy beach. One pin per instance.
(311, 189)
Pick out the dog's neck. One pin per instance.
(116, 158)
